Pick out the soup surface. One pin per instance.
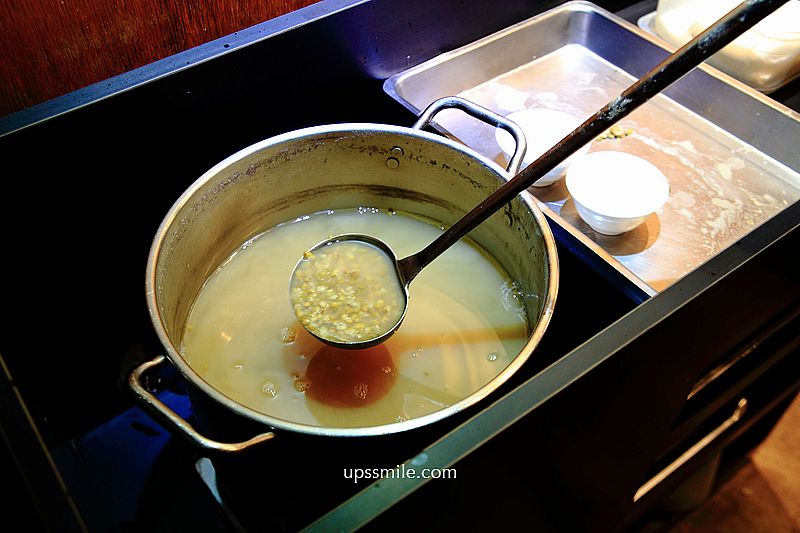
(464, 324)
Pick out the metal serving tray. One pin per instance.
(731, 154)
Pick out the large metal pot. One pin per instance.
(335, 167)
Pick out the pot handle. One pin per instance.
(481, 113)
(174, 421)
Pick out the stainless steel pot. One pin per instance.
(336, 167)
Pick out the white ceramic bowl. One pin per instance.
(615, 192)
(543, 128)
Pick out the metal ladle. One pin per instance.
(656, 80)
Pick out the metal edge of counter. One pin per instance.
(44, 486)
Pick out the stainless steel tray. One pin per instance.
(731, 154)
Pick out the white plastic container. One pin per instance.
(766, 57)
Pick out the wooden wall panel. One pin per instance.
(51, 47)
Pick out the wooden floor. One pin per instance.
(762, 495)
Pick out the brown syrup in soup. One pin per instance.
(350, 378)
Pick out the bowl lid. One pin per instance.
(543, 128)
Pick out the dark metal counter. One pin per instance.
(600, 409)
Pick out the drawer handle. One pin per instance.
(699, 446)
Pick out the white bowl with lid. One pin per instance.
(543, 128)
(766, 57)
(615, 192)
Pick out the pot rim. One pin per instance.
(173, 354)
